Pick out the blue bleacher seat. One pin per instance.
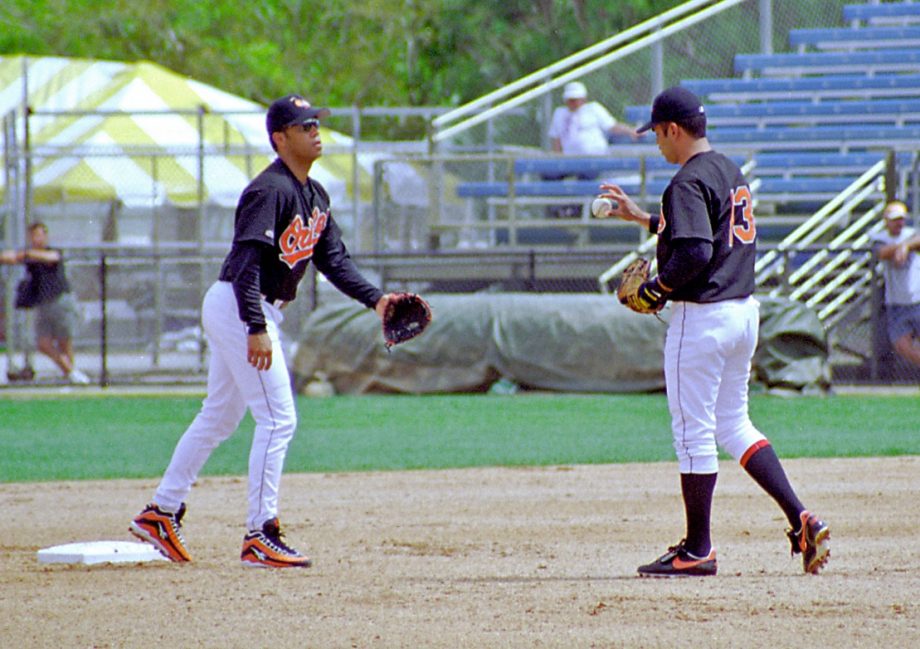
(805, 185)
(825, 62)
(817, 88)
(869, 12)
(582, 188)
(575, 165)
(797, 161)
(537, 236)
(855, 38)
(602, 166)
(863, 135)
(878, 110)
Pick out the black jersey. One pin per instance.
(47, 281)
(289, 225)
(708, 199)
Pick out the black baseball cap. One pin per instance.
(290, 110)
(673, 105)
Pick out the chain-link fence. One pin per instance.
(140, 311)
(145, 225)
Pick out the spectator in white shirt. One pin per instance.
(897, 246)
(582, 127)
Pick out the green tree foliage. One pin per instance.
(362, 52)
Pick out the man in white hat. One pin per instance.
(581, 127)
(897, 246)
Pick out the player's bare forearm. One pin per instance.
(898, 253)
(42, 256)
(259, 351)
(619, 129)
(623, 206)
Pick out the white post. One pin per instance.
(766, 26)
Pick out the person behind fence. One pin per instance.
(581, 128)
(283, 222)
(898, 248)
(46, 290)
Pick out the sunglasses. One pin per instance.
(306, 126)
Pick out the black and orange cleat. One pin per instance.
(163, 530)
(266, 548)
(812, 540)
(678, 562)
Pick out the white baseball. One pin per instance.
(601, 207)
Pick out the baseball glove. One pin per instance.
(406, 316)
(638, 292)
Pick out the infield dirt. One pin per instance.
(540, 557)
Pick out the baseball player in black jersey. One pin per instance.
(282, 223)
(706, 252)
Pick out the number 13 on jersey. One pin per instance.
(742, 225)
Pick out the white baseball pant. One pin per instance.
(708, 354)
(234, 385)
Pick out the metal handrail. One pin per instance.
(545, 75)
(828, 267)
(854, 295)
(582, 55)
(835, 270)
(821, 220)
(858, 226)
(830, 287)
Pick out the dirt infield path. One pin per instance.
(474, 558)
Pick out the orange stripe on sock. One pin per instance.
(753, 449)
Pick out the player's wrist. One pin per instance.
(660, 286)
(654, 293)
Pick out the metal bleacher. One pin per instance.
(841, 113)
(815, 88)
(833, 137)
(897, 112)
(848, 38)
(900, 13)
(823, 114)
(797, 64)
(805, 125)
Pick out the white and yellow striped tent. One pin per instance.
(106, 130)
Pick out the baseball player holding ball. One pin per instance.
(705, 253)
(282, 222)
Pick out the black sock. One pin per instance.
(697, 489)
(765, 468)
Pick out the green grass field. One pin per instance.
(132, 437)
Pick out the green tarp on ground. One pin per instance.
(559, 342)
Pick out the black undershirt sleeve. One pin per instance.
(688, 259)
(333, 261)
(246, 285)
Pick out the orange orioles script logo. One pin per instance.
(298, 240)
